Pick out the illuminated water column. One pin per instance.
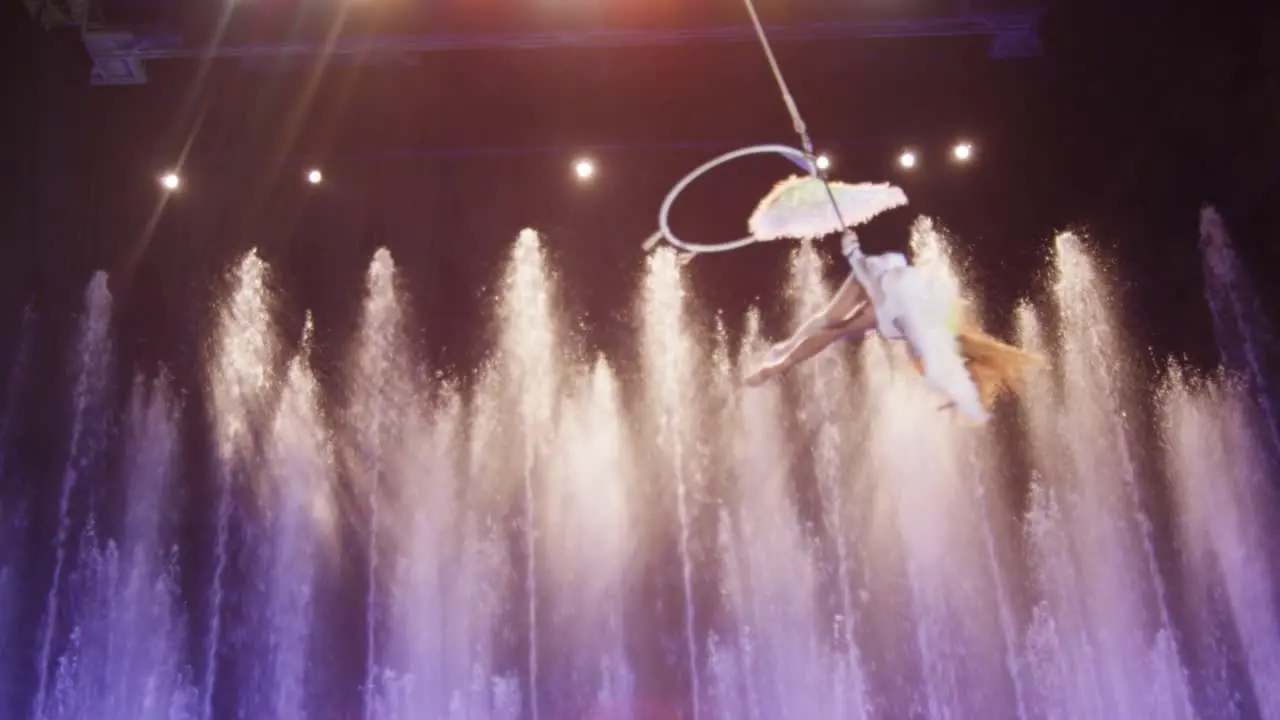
(442, 593)
(732, 683)
(380, 393)
(936, 585)
(1247, 439)
(1104, 613)
(589, 540)
(400, 455)
(492, 496)
(126, 655)
(92, 364)
(770, 576)
(242, 370)
(834, 423)
(984, 514)
(1066, 660)
(1225, 505)
(296, 485)
(670, 366)
(532, 367)
(1244, 336)
(1060, 653)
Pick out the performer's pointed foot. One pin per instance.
(770, 365)
(759, 376)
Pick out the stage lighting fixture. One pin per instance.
(823, 162)
(907, 159)
(170, 181)
(962, 152)
(315, 177)
(584, 169)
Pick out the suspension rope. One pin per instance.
(806, 154)
(797, 122)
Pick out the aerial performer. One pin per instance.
(883, 293)
(887, 295)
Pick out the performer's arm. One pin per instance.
(852, 250)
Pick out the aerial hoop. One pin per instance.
(805, 158)
(664, 226)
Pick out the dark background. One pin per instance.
(1133, 117)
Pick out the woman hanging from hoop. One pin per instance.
(883, 293)
(902, 302)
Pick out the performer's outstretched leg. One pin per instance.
(795, 350)
(847, 317)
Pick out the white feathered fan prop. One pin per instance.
(800, 208)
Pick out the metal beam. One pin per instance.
(57, 13)
(119, 55)
(701, 147)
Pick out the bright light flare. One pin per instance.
(170, 181)
(315, 177)
(907, 159)
(584, 169)
(962, 152)
(823, 162)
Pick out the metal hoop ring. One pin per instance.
(664, 227)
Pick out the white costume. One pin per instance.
(911, 305)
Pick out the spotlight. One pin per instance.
(584, 169)
(962, 151)
(907, 159)
(823, 162)
(315, 177)
(170, 181)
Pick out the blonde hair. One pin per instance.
(995, 366)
